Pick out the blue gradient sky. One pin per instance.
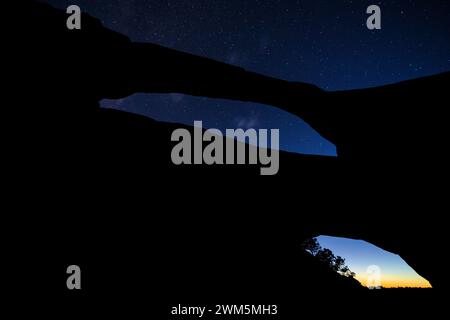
(360, 254)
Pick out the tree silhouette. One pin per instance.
(311, 245)
(327, 257)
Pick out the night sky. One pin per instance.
(322, 42)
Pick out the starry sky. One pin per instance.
(322, 42)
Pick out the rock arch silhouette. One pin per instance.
(390, 140)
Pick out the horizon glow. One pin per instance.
(359, 254)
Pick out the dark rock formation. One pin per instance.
(98, 186)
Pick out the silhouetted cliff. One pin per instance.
(100, 184)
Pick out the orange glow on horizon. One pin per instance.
(396, 281)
